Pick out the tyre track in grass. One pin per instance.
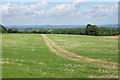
(72, 56)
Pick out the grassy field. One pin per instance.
(105, 48)
(30, 56)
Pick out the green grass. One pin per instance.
(28, 56)
(91, 46)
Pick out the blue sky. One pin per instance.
(59, 13)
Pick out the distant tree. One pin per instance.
(3, 29)
(10, 31)
(114, 32)
(118, 30)
(15, 31)
(88, 29)
(34, 31)
(103, 31)
(92, 30)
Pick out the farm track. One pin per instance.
(72, 56)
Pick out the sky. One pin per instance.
(58, 13)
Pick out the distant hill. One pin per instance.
(3, 29)
(50, 27)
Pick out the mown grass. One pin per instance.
(97, 47)
(28, 56)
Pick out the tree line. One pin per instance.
(89, 30)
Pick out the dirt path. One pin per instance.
(72, 56)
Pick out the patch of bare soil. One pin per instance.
(16, 61)
(115, 37)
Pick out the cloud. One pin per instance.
(58, 10)
(39, 6)
(61, 10)
(60, 13)
(78, 3)
(100, 10)
(18, 9)
(39, 9)
(97, 1)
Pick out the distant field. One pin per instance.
(58, 56)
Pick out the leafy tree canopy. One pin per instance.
(3, 29)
